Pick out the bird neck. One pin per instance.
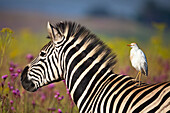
(135, 47)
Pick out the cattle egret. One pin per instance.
(138, 60)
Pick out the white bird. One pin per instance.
(138, 60)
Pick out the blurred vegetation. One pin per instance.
(5, 39)
(13, 98)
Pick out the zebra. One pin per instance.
(79, 57)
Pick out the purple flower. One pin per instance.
(68, 91)
(55, 96)
(12, 64)
(69, 94)
(14, 92)
(57, 93)
(9, 84)
(51, 86)
(59, 111)
(43, 97)
(11, 102)
(60, 98)
(11, 69)
(16, 74)
(29, 57)
(12, 108)
(4, 77)
(33, 103)
(18, 92)
(13, 74)
(51, 109)
(18, 71)
(11, 88)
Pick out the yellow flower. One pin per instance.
(6, 30)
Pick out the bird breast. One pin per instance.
(137, 59)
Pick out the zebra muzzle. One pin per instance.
(27, 84)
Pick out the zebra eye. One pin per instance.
(42, 53)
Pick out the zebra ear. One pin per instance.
(55, 34)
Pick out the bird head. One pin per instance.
(133, 45)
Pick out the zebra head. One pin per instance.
(45, 68)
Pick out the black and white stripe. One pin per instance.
(86, 64)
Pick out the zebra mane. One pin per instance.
(72, 29)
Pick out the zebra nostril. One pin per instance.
(32, 84)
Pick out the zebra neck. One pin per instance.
(86, 62)
(83, 80)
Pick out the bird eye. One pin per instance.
(42, 53)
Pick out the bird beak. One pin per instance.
(128, 45)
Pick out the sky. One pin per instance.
(80, 8)
(18, 14)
